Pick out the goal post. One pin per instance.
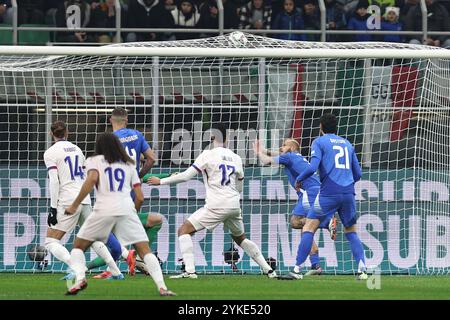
(392, 102)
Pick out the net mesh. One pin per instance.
(395, 112)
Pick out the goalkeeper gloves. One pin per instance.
(158, 175)
(51, 219)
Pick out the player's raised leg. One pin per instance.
(114, 251)
(78, 265)
(104, 253)
(253, 251)
(54, 246)
(153, 267)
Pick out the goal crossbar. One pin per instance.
(319, 53)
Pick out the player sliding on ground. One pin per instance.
(65, 164)
(223, 176)
(294, 163)
(136, 146)
(339, 169)
(114, 175)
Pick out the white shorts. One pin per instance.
(209, 219)
(128, 229)
(67, 223)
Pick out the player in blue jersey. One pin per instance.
(339, 169)
(136, 146)
(294, 163)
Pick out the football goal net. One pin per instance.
(391, 100)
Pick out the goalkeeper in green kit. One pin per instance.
(138, 149)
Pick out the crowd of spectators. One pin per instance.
(396, 15)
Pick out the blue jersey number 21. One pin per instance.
(227, 171)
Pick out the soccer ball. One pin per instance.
(238, 39)
(37, 253)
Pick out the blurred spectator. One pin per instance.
(349, 6)
(404, 9)
(169, 5)
(67, 19)
(255, 15)
(104, 16)
(383, 4)
(30, 12)
(289, 19)
(209, 13)
(185, 16)
(311, 16)
(391, 23)
(147, 14)
(5, 11)
(359, 22)
(335, 18)
(438, 20)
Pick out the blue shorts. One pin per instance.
(304, 203)
(326, 206)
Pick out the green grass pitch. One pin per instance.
(228, 287)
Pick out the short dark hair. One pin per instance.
(120, 112)
(59, 129)
(222, 129)
(329, 123)
(109, 146)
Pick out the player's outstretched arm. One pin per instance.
(88, 185)
(263, 154)
(186, 175)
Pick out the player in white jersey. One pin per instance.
(65, 165)
(114, 175)
(223, 176)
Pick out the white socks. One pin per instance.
(155, 271)
(57, 250)
(187, 251)
(124, 253)
(103, 252)
(253, 251)
(78, 263)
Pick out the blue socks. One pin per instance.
(357, 250)
(114, 247)
(315, 259)
(304, 247)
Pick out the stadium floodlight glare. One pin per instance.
(392, 102)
